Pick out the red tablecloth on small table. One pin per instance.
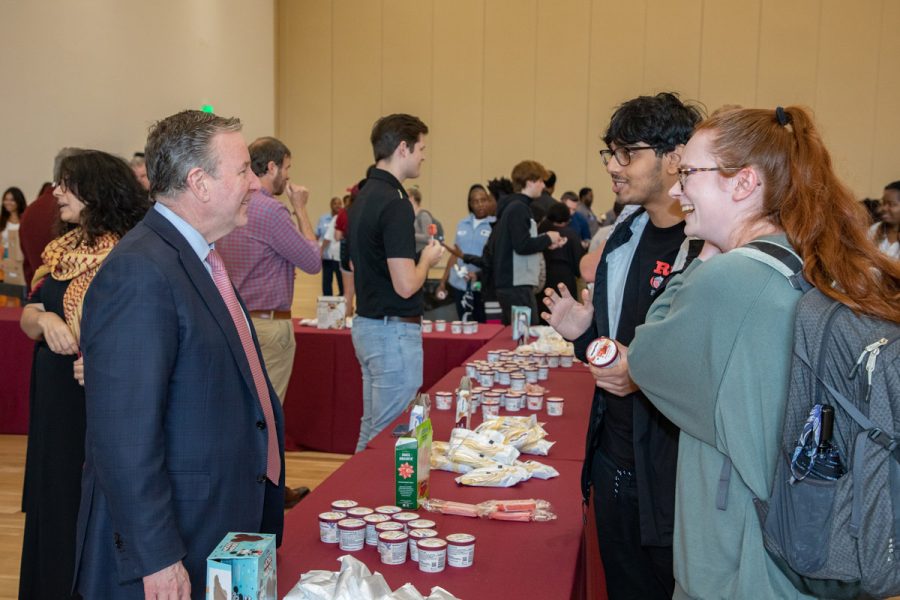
(16, 354)
(323, 404)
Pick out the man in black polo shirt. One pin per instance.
(632, 448)
(387, 330)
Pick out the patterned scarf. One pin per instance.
(68, 257)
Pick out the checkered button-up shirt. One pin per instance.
(262, 255)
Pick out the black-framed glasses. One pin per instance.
(685, 172)
(623, 154)
(62, 185)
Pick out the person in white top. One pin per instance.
(885, 232)
(10, 213)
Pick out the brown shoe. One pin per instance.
(294, 495)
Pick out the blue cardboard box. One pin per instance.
(242, 566)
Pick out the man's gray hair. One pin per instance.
(180, 143)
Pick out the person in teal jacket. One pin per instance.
(714, 354)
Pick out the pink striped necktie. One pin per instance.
(223, 283)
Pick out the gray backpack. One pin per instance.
(837, 538)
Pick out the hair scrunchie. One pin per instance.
(784, 119)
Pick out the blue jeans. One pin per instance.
(390, 358)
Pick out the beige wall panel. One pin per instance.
(304, 32)
(357, 77)
(788, 53)
(563, 62)
(97, 74)
(848, 59)
(406, 84)
(886, 135)
(617, 52)
(672, 56)
(729, 50)
(455, 150)
(509, 84)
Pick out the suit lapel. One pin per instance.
(207, 290)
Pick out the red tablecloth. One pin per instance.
(323, 404)
(16, 353)
(324, 400)
(512, 560)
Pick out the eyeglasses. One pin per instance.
(623, 154)
(685, 172)
(63, 187)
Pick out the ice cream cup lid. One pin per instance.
(460, 539)
(393, 536)
(351, 524)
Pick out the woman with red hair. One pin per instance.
(715, 353)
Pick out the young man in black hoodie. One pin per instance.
(632, 449)
(517, 247)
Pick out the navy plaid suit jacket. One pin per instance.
(175, 453)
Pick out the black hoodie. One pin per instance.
(516, 245)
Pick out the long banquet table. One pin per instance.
(512, 560)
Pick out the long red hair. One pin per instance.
(803, 196)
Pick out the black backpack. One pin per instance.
(836, 537)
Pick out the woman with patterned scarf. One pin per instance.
(99, 201)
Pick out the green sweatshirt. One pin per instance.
(714, 356)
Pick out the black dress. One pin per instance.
(53, 465)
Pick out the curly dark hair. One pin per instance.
(499, 187)
(663, 121)
(113, 199)
(19, 197)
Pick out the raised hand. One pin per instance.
(567, 316)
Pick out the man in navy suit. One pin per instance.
(184, 441)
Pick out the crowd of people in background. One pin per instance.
(171, 277)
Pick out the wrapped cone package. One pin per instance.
(519, 432)
(538, 470)
(355, 582)
(539, 448)
(489, 443)
(463, 460)
(496, 476)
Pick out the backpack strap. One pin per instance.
(786, 262)
(688, 251)
(782, 259)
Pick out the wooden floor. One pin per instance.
(303, 468)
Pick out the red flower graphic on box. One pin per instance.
(406, 470)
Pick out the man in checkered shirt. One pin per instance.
(261, 258)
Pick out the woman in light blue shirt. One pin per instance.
(472, 234)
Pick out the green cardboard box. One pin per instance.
(412, 467)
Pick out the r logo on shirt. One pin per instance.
(662, 268)
(660, 273)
